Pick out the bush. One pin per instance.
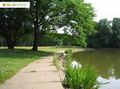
(81, 78)
(68, 51)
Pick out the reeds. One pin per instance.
(55, 60)
(80, 78)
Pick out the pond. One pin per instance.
(106, 61)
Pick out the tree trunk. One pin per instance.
(10, 45)
(36, 27)
(35, 43)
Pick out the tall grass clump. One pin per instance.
(68, 51)
(55, 60)
(80, 78)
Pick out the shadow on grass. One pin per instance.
(22, 53)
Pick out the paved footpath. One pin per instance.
(40, 74)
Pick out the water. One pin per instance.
(106, 61)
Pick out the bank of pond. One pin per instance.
(93, 69)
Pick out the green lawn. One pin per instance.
(11, 61)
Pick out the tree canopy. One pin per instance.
(13, 25)
(75, 16)
(107, 35)
(116, 32)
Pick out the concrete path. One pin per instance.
(40, 74)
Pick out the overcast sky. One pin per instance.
(106, 8)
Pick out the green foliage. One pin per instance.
(116, 32)
(75, 16)
(26, 40)
(107, 34)
(13, 25)
(2, 41)
(68, 51)
(53, 38)
(55, 61)
(102, 37)
(81, 78)
(80, 23)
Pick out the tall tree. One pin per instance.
(102, 38)
(105, 31)
(13, 25)
(74, 15)
(42, 16)
(116, 32)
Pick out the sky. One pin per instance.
(105, 8)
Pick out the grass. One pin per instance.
(12, 61)
(80, 78)
(68, 51)
(32, 71)
(55, 61)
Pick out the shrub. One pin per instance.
(68, 51)
(81, 78)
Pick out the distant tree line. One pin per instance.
(107, 34)
(50, 39)
(60, 39)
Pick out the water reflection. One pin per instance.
(106, 61)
